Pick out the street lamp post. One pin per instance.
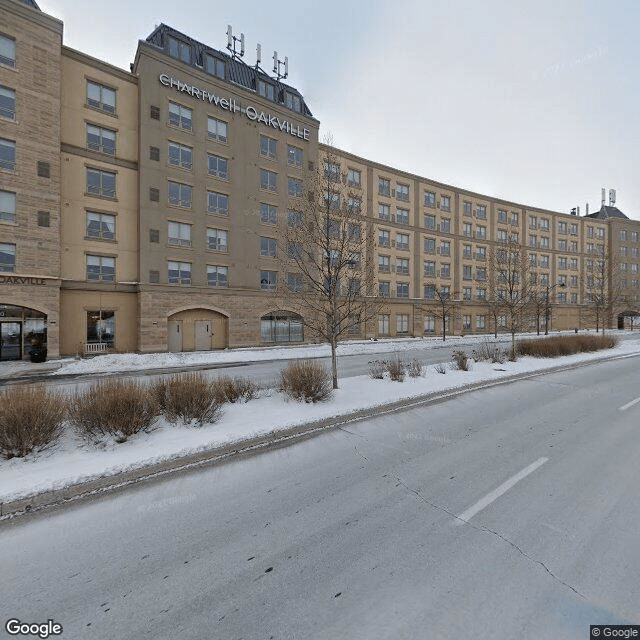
(546, 306)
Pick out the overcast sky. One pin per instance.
(535, 101)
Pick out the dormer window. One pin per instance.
(293, 101)
(179, 50)
(215, 66)
(266, 90)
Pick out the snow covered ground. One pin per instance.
(72, 459)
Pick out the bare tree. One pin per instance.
(603, 287)
(442, 304)
(323, 253)
(509, 265)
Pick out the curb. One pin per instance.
(41, 501)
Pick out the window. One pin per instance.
(402, 192)
(101, 225)
(294, 156)
(515, 218)
(268, 247)
(562, 227)
(268, 213)
(43, 169)
(7, 155)
(445, 203)
(481, 211)
(502, 235)
(101, 327)
(102, 140)
(466, 293)
(402, 290)
(429, 324)
(268, 180)
(217, 203)
(402, 216)
(445, 270)
(218, 240)
(281, 327)
(481, 253)
(514, 237)
(574, 298)
(354, 232)
(574, 281)
(402, 266)
(466, 272)
(562, 245)
(354, 286)
(402, 323)
(181, 117)
(384, 290)
(101, 97)
(268, 280)
(467, 230)
(384, 187)
(429, 291)
(214, 66)
(217, 276)
(429, 245)
(402, 241)
(7, 257)
(589, 232)
(154, 194)
(179, 50)
(429, 221)
(544, 224)
(384, 212)
(179, 272)
(154, 235)
(179, 234)
(634, 236)
(355, 259)
(180, 155)
(383, 324)
(544, 262)
(481, 273)
(466, 323)
(44, 219)
(466, 208)
(268, 147)
(429, 199)
(384, 238)
(217, 130)
(7, 51)
(294, 282)
(383, 264)
(562, 263)
(533, 259)
(562, 296)
(533, 241)
(481, 293)
(180, 194)
(294, 219)
(429, 268)
(154, 153)
(502, 216)
(544, 242)
(265, 89)
(445, 248)
(533, 222)
(353, 178)
(573, 264)
(445, 225)
(293, 101)
(466, 251)
(101, 268)
(332, 171)
(354, 204)
(154, 112)
(101, 183)
(481, 233)
(481, 322)
(218, 166)
(294, 189)
(574, 229)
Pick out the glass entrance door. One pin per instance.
(10, 340)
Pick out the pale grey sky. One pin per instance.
(534, 101)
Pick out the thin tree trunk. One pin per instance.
(334, 363)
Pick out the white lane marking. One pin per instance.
(465, 516)
(624, 407)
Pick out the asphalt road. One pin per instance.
(511, 512)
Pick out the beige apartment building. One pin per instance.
(144, 210)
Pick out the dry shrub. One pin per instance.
(187, 397)
(441, 367)
(460, 360)
(306, 380)
(396, 369)
(30, 417)
(414, 368)
(228, 389)
(488, 351)
(115, 408)
(564, 345)
(377, 369)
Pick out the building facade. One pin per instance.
(144, 210)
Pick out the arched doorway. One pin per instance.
(197, 330)
(21, 329)
(281, 327)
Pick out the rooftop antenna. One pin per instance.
(231, 43)
(278, 64)
(612, 197)
(258, 55)
(604, 197)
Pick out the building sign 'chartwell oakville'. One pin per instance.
(230, 104)
(21, 280)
